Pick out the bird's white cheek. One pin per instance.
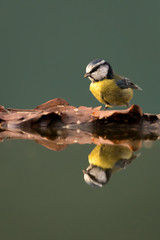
(90, 78)
(103, 71)
(97, 75)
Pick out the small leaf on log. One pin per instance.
(52, 103)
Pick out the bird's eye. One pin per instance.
(94, 69)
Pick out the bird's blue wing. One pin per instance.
(126, 83)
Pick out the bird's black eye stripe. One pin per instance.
(92, 177)
(110, 71)
(95, 68)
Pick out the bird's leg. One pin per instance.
(128, 105)
(107, 103)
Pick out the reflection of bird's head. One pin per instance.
(98, 70)
(96, 176)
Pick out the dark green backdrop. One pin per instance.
(46, 45)
(44, 49)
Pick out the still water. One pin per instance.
(46, 195)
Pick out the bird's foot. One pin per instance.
(106, 107)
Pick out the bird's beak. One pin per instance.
(84, 171)
(86, 75)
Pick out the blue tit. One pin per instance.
(104, 160)
(107, 87)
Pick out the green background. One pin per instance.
(46, 45)
(44, 49)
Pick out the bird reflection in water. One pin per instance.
(106, 159)
(114, 149)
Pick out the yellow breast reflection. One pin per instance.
(105, 156)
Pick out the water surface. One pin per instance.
(44, 195)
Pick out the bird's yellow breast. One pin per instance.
(107, 91)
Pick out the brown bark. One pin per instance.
(55, 124)
(58, 112)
